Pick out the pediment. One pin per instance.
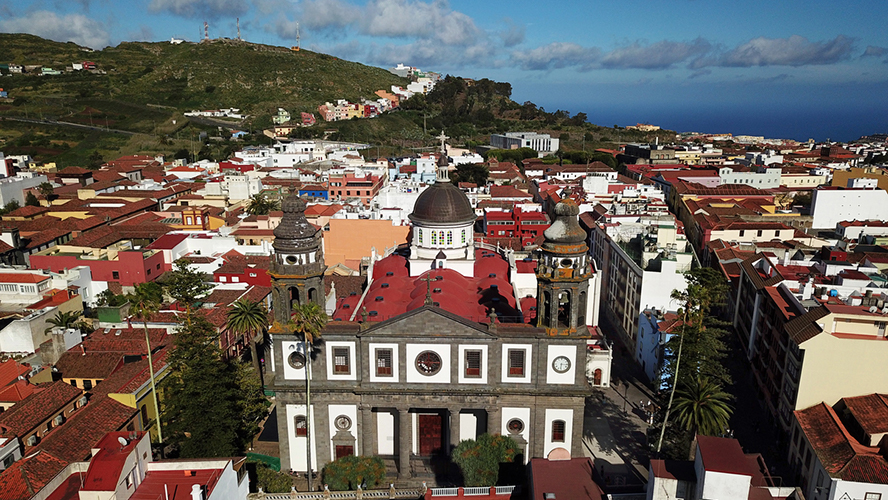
(428, 321)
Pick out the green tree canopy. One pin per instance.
(211, 407)
(65, 320)
(260, 204)
(31, 200)
(184, 284)
(702, 407)
(250, 319)
(46, 189)
(471, 172)
(480, 459)
(347, 473)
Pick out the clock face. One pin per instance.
(342, 422)
(561, 364)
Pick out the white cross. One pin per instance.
(443, 138)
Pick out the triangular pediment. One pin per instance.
(428, 321)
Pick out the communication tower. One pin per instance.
(206, 31)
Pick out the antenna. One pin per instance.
(297, 37)
(238, 28)
(206, 31)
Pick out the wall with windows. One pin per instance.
(558, 430)
(298, 436)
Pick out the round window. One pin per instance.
(566, 262)
(296, 360)
(343, 423)
(291, 259)
(428, 362)
(515, 426)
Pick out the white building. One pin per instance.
(829, 206)
(541, 143)
(766, 178)
(12, 188)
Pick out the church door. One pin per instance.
(344, 451)
(430, 434)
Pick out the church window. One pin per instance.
(473, 363)
(296, 360)
(515, 426)
(301, 426)
(449, 237)
(428, 363)
(441, 237)
(383, 362)
(558, 431)
(463, 232)
(434, 238)
(419, 235)
(516, 362)
(341, 361)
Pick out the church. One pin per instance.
(449, 339)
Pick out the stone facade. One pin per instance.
(520, 382)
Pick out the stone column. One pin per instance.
(494, 420)
(368, 447)
(405, 440)
(454, 426)
(538, 429)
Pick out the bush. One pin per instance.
(479, 460)
(348, 472)
(272, 481)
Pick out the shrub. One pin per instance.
(272, 481)
(348, 472)
(479, 460)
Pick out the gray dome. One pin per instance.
(565, 232)
(294, 231)
(442, 203)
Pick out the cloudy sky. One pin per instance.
(776, 67)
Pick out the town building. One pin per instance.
(541, 143)
(438, 348)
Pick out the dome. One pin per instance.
(442, 203)
(566, 229)
(294, 232)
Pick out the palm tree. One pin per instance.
(145, 301)
(250, 319)
(702, 407)
(63, 320)
(306, 321)
(260, 204)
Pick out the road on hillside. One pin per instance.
(69, 124)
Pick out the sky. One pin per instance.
(778, 68)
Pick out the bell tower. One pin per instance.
(563, 274)
(297, 266)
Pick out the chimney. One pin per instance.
(196, 492)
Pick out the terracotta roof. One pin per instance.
(17, 391)
(569, 479)
(22, 278)
(128, 378)
(804, 327)
(27, 476)
(870, 412)
(27, 211)
(73, 441)
(88, 365)
(46, 402)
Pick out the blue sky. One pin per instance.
(778, 68)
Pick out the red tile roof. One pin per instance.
(26, 477)
(870, 412)
(569, 479)
(73, 441)
(47, 401)
(88, 365)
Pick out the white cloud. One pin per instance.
(793, 51)
(557, 55)
(660, 55)
(327, 14)
(76, 28)
(209, 9)
(513, 34)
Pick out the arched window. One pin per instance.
(558, 431)
(434, 238)
(419, 235)
(596, 377)
(463, 232)
(301, 426)
(449, 237)
(441, 237)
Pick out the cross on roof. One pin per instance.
(442, 138)
(428, 280)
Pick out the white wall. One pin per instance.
(350, 411)
(528, 363)
(396, 374)
(468, 425)
(522, 414)
(555, 414)
(462, 365)
(288, 348)
(385, 433)
(353, 366)
(568, 351)
(831, 206)
(298, 459)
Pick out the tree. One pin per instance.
(480, 459)
(94, 160)
(12, 206)
(209, 408)
(260, 204)
(31, 200)
(307, 321)
(46, 189)
(347, 473)
(145, 301)
(249, 319)
(64, 320)
(471, 172)
(702, 407)
(184, 284)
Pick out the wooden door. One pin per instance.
(344, 451)
(431, 435)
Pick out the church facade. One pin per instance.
(439, 348)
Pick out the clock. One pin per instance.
(342, 423)
(561, 364)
